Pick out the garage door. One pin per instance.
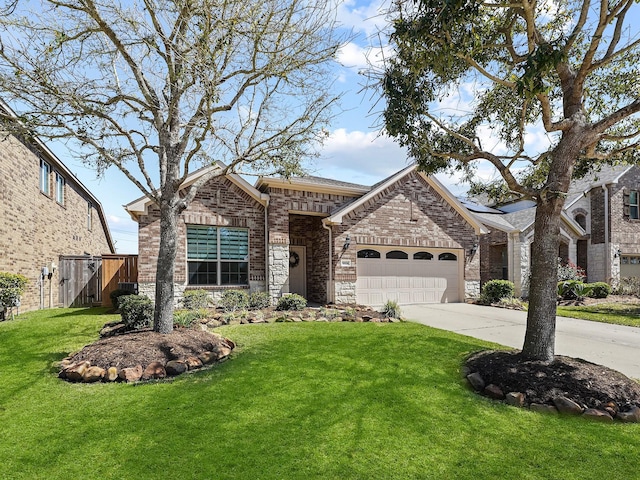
(408, 275)
(629, 266)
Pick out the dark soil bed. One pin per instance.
(588, 384)
(143, 347)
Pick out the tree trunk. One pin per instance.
(163, 316)
(539, 340)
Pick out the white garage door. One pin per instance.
(408, 275)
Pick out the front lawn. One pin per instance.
(296, 400)
(616, 313)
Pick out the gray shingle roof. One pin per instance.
(606, 174)
(328, 181)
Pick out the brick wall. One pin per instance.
(625, 232)
(409, 213)
(597, 216)
(221, 203)
(35, 229)
(308, 231)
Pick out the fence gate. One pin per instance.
(118, 271)
(80, 281)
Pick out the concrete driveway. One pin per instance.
(614, 346)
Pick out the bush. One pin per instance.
(116, 294)
(196, 299)
(233, 300)
(136, 311)
(258, 300)
(573, 290)
(600, 290)
(391, 309)
(291, 301)
(11, 288)
(494, 290)
(186, 318)
(628, 286)
(570, 271)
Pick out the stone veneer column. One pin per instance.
(278, 270)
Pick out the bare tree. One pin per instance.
(568, 66)
(160, 87)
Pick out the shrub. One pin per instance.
(116, 294)
(570, 271)
(573, 290)
(136, 311)
(628, 286)
(494, 290)
(600, 290)
(391, 309)
(196, 299)
(186, 318)
(258, 300)
(233, 300)
(291, 301)
(11, 288)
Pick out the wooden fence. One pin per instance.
(118, 271)
(87, 281)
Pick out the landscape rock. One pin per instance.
(131, 374)
(214, 323)
(597, 415)
(193, 363)
(367, 318)
(207, 357)
(75, 372)
(221, 351)
(176, 367)
(515, 398)
(153, 371)
(476, 381)
(494, 391)
(567, 406)
(111, 375)
(543, 408)
(93, 374)
(630, 416)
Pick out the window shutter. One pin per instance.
(625, 197)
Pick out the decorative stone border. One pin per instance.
(84, 372)
(561, 405)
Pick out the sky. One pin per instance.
(356, 151)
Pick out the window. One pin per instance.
(217, 255)
(368, 253)
(422, 256)
(59, 189)
(581, 220)
(89, 211)
(634, 211)
(45, 171)
(397, 255)
(447, 256)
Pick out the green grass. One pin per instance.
(615, 313)
(308, 400)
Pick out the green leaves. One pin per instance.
(538, 66)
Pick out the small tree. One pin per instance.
(158, 88)
(11, 289)
(568, 67)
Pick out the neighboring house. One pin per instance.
(405, 239)
(45, 213)
(600, 230)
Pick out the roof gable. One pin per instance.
(338, 216)
(141, 205)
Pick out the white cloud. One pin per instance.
(368, 18)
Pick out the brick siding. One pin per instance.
(624, 231)
(35, 230)
(219, 203)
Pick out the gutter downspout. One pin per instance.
(607, 248)
(331, 291)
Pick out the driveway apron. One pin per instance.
(614, 346)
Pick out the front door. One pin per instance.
(297, 270)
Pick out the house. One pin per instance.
(45, 213)
(405, 239)
(599, 231)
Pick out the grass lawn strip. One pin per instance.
(614, 313)
(297, 400)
